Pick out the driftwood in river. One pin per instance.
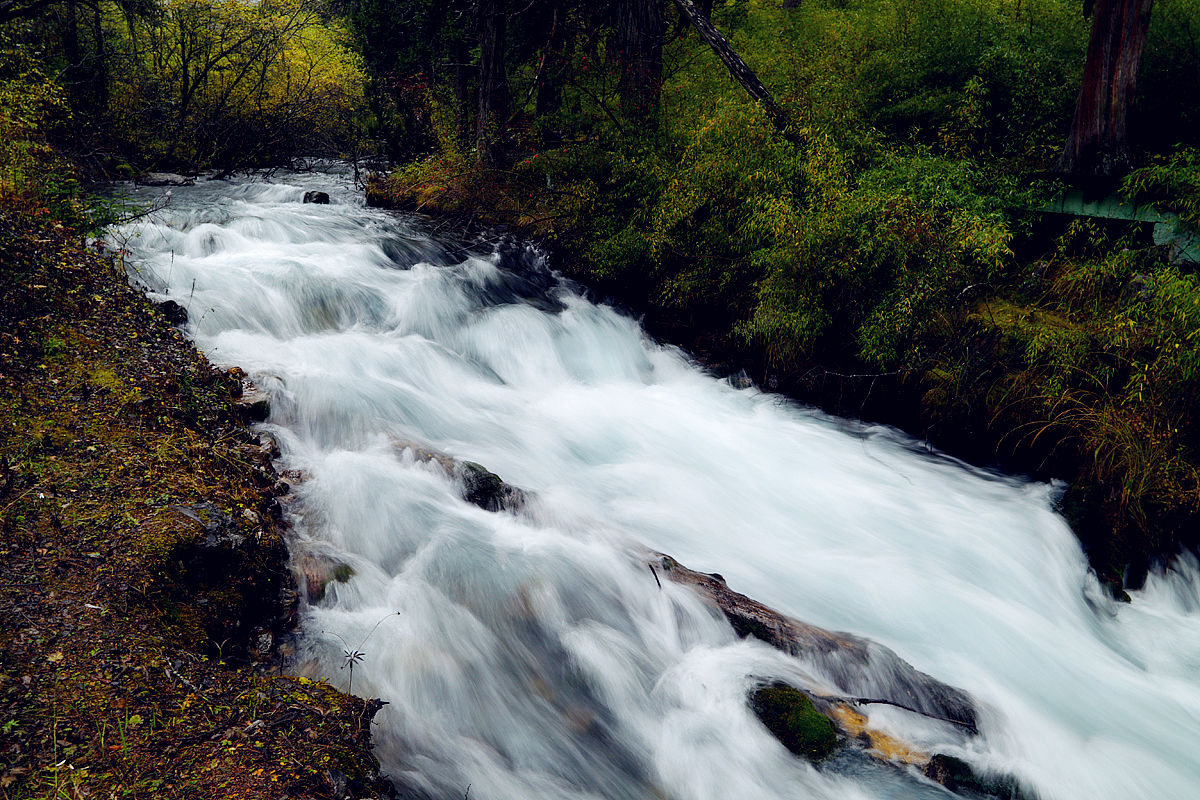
(864, 671)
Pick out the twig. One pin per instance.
(865, 701)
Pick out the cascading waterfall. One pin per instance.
(532, 655)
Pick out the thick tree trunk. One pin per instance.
(639, 57)
(1098, 143)
(73, 73)
(99, 92)
(737, 67)
(493, 81)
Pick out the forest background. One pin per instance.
(856, 216)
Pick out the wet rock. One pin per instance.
(864, 671)
(486, 490)
(254, 405)
(480, 486)
(425, 455)
(1113, 587)
(290, 479)
(219, 531)
(791, 717)
(175, 313)
(262, 644)
(959, 776)
(880, 744)
(268, 443)
(255, 454)
(317, 571)
(166, 179)
(339, 785)
(320, 198)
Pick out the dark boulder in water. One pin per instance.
(865, 671)
(320, 198)
(486, 489)
(960, 777)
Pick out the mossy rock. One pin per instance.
(792, 718)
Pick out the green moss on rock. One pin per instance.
(792, 718)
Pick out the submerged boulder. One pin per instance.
(486, 489)
(478, 485)
(960, 777)
(320, 198)
(866, 672)
(791, 717)
(316, 571)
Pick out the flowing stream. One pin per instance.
(533, 655)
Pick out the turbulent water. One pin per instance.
(534, 656)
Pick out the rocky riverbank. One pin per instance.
(144, 568)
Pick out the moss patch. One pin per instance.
(790, 716)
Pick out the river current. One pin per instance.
(532, 655)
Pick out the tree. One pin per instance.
(639, 41)
(734, 63)
(21, 9)
(493, 80)
(1097, 146)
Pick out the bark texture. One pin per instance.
(1097, 145)
(493, 80)
(639, 38)
(734, 63)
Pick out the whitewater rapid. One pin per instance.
(533, 655)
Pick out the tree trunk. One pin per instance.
(464, 75)
(72, 74)
(549, 87)
(1097, 145)
(493, 81)
(99, 91)
(639, 57)
(737, 68)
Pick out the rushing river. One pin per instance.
(534, 657)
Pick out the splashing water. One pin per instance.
(534, 655)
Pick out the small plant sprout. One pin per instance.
(356, 655)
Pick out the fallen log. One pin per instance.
(864, 671)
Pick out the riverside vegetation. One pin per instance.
(876, 247)
(143, 574)
(883, 255)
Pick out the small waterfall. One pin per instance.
(533, 655)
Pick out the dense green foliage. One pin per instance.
(33, 108)
(886, 256)
(789, 714)
(177, 84)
